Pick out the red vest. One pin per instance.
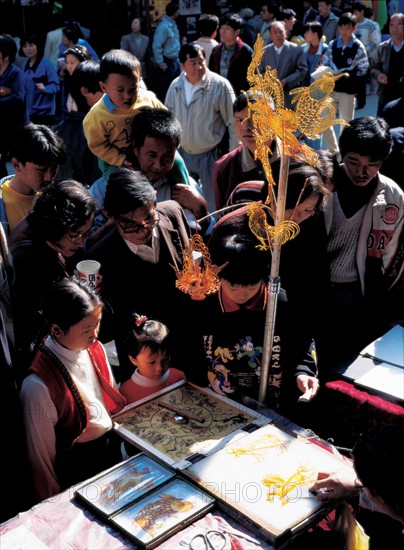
(72, 415)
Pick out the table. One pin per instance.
(366, 393)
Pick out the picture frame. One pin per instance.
(263, 482)
(162, 513)
(123, 484)
(184, 423)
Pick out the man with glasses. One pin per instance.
(137, 259)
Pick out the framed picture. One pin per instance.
(263, 480)
(190, 7)
(123, 484)
(191, 25)
(184, 423)
(163, 512)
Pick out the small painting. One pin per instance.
(123, 484)
(159, 514)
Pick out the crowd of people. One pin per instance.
(123, 159)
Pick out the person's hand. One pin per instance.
(189, 198)
(128, 164)
(40, 86)
(338, 485)
(307, 383)
(382, 78)
(163, 66)
(4, 91)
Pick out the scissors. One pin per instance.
(208, 540)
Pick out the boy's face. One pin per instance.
(346, 31)
(35, 177)
(228, 35)
(360, 169)
(122, 90)
(243, 127)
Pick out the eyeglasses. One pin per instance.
(129, 226)
(75, 238)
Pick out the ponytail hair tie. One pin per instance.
(140, 320)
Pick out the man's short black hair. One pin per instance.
(367, 136)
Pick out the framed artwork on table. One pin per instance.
(160, 514)
(184, 423)
(123, 484)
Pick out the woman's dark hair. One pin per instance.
(126, 191)
(142, 23)
(67, 302)
(150, 334)
(368, 136)
(303, 181)
(233, 242)
(79, 52)
(8, 47)
(31, 38)
(62, 207)
(378, 460)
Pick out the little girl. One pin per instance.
(69, 394)
(149, 351)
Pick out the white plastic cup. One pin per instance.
(89, 272)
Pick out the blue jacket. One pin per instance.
(166, 41)
(41, 103)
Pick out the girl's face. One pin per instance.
(71, 63)
(80, 336)
(304, 210)
(152, 365)
(30, 50)
(240, 294)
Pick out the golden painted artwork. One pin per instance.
(205, 419)
(260, 447)
(281, 487)
(151, 518)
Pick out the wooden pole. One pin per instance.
(274, 279)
